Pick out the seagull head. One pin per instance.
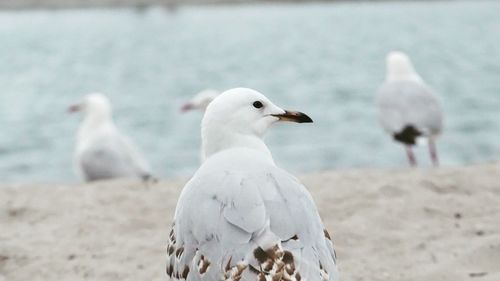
(240, 117)
(399, 67)
(200, 101)
(94, 104)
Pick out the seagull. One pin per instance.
(200, 101)
(102, 152)
(408, 109)
(240, 217)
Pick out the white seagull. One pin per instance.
(408, 109)
(200, 101)
(102, 152)
(240, 217)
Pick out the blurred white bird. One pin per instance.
(102, 152)
(408, 109)
(200, 101)
(241, 217)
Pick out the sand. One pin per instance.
(441, 224)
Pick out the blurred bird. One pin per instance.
(241, 217)
(200, 101)
(408, 109)
(102, 152)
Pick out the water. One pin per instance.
(324, 59)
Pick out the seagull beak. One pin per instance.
(186, 107)
(293, 116)
(74, 108)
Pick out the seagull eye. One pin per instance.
(258, 104)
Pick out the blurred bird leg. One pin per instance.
(433, 152)
(411, 156)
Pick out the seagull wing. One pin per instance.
(404, 103)
(240, 225)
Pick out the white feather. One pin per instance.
(239, 206)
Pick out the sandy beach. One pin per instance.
(403, 224)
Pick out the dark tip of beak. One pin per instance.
(73, 108)
(294, 116)
(186, 107)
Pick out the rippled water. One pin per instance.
(323, 59)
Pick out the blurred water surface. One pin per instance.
(324, 59)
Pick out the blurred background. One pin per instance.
(325, 59)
